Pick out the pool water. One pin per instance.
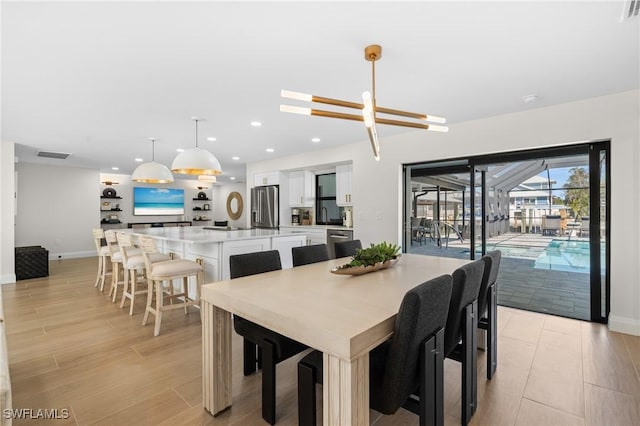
(563, 255)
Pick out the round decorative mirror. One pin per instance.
(234, 205)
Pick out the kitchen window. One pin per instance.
(327, 211)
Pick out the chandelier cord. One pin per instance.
(153, 149)
(196, 120)
(373, 83)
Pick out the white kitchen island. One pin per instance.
(216, 245)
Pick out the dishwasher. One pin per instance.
(337, 236)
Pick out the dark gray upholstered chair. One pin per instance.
(305, 255)
(460, 335)
(273, 347)
(220, 223)
(347, 248)
(412, 362)
(488, 308)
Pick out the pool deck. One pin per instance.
(520, 283)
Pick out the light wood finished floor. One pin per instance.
(70, 347)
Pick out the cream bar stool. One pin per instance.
(132, 264)
(104, 257)
(168, 271)
(116, 262)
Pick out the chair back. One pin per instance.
(305, 255)
(489, 277)
(347, 248)
(98, 236)
(124, 241)
(112, 241)
(423, 312)
(242, 265)
(466, 287)
(220, 223)
(147, 246)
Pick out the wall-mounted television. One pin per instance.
(158, 201)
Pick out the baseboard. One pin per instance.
(624, 325)
(72, 255)
(8, 279)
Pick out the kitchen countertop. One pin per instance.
(198, 234)
(323, 227)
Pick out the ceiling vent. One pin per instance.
(631, 9)
(51, 154)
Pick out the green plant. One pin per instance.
(376, 253)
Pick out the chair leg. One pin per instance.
(492, 332)
(268, 383)
(99, 271)
(249, 349)
(431, 409)
(149, 307)
(469, 360)
(185, 289)
(125, 285)
(306, 395)
(159, 304)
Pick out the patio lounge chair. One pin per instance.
(584, 228)
(551, 225)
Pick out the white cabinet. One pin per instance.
(315, 235)
(301, 189)
(343, 184)
(270, 178)
(284, 246)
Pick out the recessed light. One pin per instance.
(529, 98)
(270, 150)
(235, 158)
(211, 139)
(139, 160)
(315, 140)
(232, 178)
(256, 123)
(115, 168)
(179, 150)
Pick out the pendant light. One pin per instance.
(207, 179)
(152, 172)
(196, 161)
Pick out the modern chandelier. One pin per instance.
(152, 172)
(369, 110)
(196, 161)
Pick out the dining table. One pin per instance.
(343, 316)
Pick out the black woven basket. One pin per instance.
(31, 262)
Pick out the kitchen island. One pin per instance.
(215, 245)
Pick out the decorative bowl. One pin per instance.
(360, 270)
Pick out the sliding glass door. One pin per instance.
(546, 210)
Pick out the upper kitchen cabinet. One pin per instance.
(270, 178)
(301, 189)
(343, 185)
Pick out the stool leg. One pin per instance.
(100, 266)
(125, 274)
(306, 395)
(148, 309)
(159, 304)
(185, 289)
(116, 281)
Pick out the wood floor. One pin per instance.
(71, 348)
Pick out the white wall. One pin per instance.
(220, 194)
(7, 213)
(57, 208)
(377, 186)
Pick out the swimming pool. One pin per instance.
(565, 255)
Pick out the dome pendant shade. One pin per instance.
(152, 172)
(196, 161)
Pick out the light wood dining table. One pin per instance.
(345, 317)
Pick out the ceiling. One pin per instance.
(97, 79)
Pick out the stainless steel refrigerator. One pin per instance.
(264, 207)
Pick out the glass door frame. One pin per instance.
(477, 164)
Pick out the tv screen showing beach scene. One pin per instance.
(158, 201)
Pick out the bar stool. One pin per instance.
(168, 271)
(116, 261)
(104, 257)
(132, 264)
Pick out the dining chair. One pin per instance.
(460, 335)
(104, 257)
(273, 347)
(168, 270)
(347, 248)
(410, 363)
(488, 308)
(132, 265)
(305, 255)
